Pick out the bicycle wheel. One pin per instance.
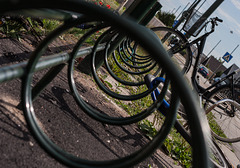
(181, 125)
(225, 117)
(216, 155)
(175, 43)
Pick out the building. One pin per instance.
(232, 68)
(213, 64)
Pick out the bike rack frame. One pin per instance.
(58, 61)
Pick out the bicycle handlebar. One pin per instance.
(214, 23)
(217, 19)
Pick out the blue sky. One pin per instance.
(229, 12)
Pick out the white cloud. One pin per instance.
(225, 15)
(236, 3)
(184, 2)
(237, 30)
(229, 20)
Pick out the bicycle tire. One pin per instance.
(216, 155)
(223, 131)
(181, 55)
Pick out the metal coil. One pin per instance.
(120, 42)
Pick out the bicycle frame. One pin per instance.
(203, 92)
(199, 88)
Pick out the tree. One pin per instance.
(166, 17)
(220, 60)
(219, 73)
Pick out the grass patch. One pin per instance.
(214, 125)
(175, 144)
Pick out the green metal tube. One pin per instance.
(47, 13)
(139, 9)
(151, 13)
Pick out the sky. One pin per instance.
(228, 31)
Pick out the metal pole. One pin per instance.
(201, 5)
(121, 6)
(138, 9)
(14, 71)
(234, 49)
(172, 10)
(222, 63)
(152, 12)
(213, 48)
(177, 9)
(182, 10)
(204, 17)
(187, 13)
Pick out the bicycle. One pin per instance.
(226, 114)
(231, 90)
(175, 43)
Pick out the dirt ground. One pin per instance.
(61, 118)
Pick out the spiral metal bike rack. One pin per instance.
(119, 42)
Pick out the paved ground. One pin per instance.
(68, 126)
(63, 121)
